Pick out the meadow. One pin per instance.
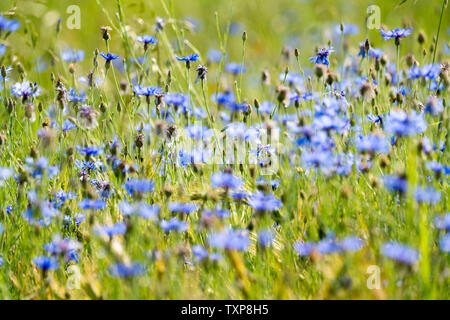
(164, 149)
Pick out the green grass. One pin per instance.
(313, 204)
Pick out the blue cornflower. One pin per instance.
(2, 49)
(176, 99)
(264, 202)
(434, 106)
(224, 98)
(427, 195)
(8, 25)
(143, 209)
(372, 143)
(6, 173)
(68, 125)
(225, 180)
(444, 243)
(216, 212)
(443, 222)
(375, 53)
(235, 68)
(396, 33)
(395, 183)
(46, 263)
(230, 240)
(126, 270)
(350, 243)
(198, 132)
(349, 28)
(374, 118)
(400, 123)
(1, 261)
(146, 39)
(118, 228)
(400, 252)
(214, 55)
(90, 150)
(97, 204)
(70, 55)
(430, 71)
(109, 56)
(25, 89)
(191, 57)
(322, 56)
(65, 247)
(200, 252)
(139, 186)
(179, 207)
(173, 224)
(77, 98)
(265, 238)
(147, 91)
(78, 218)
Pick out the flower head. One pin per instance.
(322, 56)
(400, 252)
(396, 34)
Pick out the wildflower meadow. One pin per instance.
(165, 149)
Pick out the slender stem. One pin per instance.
(439, 29)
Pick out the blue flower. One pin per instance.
(46, 263)
(322, 56)
(349, 28)
(216, 212)
(396, 33)
(230, 240)
(146, 39)
(427, 195)
(200, 252)
(25, 89)
(372, 143)
(395, 183)
(329, 245)
(434, 106)
(235, 68)
(375, 53)
(75, 98)
(126, 270)
(443, 222)
(400, 123)
(2, 49)
(225, 180)
(400, 252)
(68, 125)
(109, 231)
(147, 91)
(191, 57)
(264, 202)
(176, 99)
(214, 55)
(143, 209)
(97, 204)
(173, 224)
(179, 207)
(8, 25)
(265, 238)
(139, 186)
(1, 228)
(1, 261)
(90, 150)
(70, 55)
(109, 56)
(444, 243)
